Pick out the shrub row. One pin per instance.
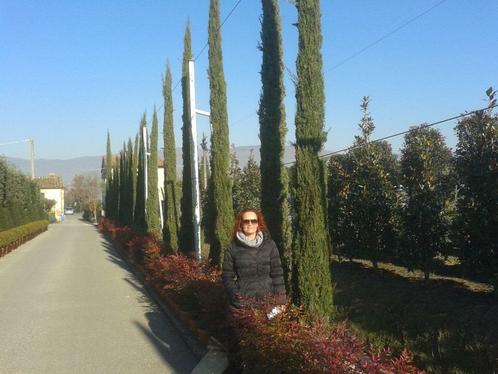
(13, 238)
(286, 344)
(20, 199)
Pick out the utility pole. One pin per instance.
(195, 162)
(146, 154)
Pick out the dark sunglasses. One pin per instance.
(248, 221)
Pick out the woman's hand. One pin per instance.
(276, 311)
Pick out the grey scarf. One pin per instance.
(255, 243)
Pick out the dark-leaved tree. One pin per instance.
(476, 161)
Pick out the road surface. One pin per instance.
(69, 304)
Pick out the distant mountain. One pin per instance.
(90, 165)
(67, 169)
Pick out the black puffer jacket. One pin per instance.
(253, 272)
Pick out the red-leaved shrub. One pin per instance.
(288, 343)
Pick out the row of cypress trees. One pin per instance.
(306, 256)
(20, 199)
(428, 204)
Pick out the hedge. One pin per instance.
(13, 238)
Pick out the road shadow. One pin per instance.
(164, 337)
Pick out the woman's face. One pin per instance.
(249, 223)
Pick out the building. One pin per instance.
(52, 187)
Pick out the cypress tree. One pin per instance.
(186, 225)
(312, 286)
(134, 173)
(139, 220)
(274, 183)
(123, 185)
(221, 207)
(115, 188)
(131, 176)
(170, 224)
(108, 177)
(152, 211)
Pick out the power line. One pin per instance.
(221, 25)
(207, 43)
(403, 132)
(385, 36)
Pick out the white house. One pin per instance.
(52, 187)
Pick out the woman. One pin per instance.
(251, 267)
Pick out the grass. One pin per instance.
(449, 324)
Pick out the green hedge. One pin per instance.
(12, 238)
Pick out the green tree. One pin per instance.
(20, 199)
(221, 209)
(139, 214)
(477, 204)
(152, 211)
(372, 198)
(123, 185)
(134, 172)
(186, 241)
(339, 211)
(204, 173)
(274, 181)
(170, 224)
(131, 177)
(108, 178)
(235, 173)
(204, 186)
(312, 285)
(426, 167)
(250, 182)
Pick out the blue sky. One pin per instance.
(71, 70)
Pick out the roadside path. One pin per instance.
(69, 304)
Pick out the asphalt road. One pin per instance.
(68, 304)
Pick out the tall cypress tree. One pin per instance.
(312, 285)
(123, 186)
(221, 207)
(170, 224)
(152, 211)
(186, 225)
(130, 188)
(274, 186)
(134, 173)
(139, 220)
(108, 178)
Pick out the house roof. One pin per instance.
(52, 181)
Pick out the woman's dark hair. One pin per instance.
(238, 222)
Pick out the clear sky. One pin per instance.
(71, 70)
